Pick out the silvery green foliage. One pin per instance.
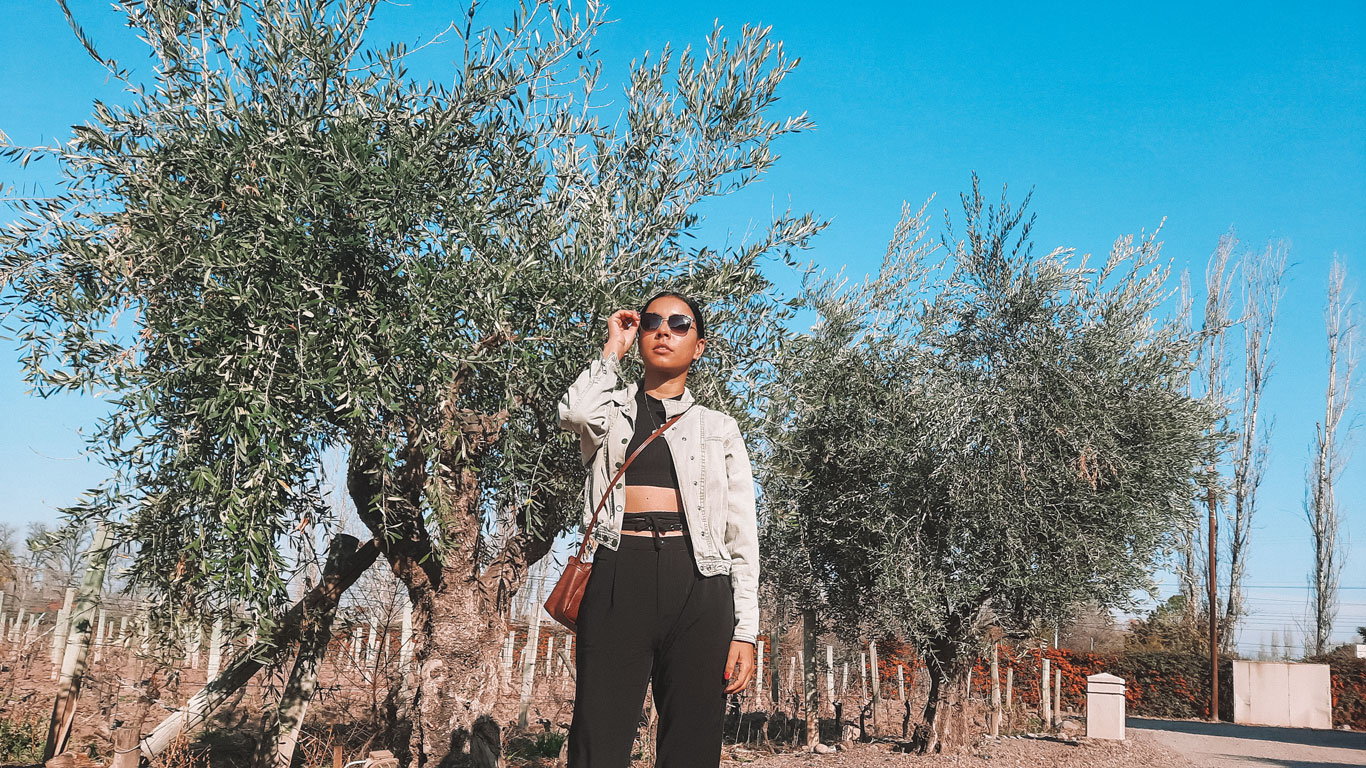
(284, 243)
(977, 436)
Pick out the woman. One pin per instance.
(672, 598)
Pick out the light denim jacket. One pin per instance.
(714, 476)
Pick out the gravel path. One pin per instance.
(1141, 752)
(1225, 745)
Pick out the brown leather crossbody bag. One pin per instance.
(563, 603)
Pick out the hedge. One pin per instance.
(1158, 683)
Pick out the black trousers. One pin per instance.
(648, 616)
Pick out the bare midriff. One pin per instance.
(642, 498)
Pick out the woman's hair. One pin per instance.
(696, 310)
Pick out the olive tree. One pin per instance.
(1000, 438)
(282, 243)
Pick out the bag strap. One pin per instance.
(583, 547)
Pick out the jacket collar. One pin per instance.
(671, 407)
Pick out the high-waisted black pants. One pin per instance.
(648, 616)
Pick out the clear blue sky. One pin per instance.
(1250, 115)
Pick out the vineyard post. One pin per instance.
(877, 687)
(80, 620)
(759, 676)
(1045, 706)
(830, 672)
(995, 690)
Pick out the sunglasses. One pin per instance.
(679, 324)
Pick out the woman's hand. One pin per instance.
(621, 332)
(741, 653)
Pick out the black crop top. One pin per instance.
(654, 465)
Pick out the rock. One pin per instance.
(381, 758)
(822, 749)
(1068, 726)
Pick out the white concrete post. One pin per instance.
(215, 648)
(550, 655)
(759, 677)
(509, 649)
(372, 646)
(192, 646)
(1104, 707)
(830, 673)
(863, 676)
(1045, 690)
(99, 634)
(59, 631)
(533, 638)
(405, 636)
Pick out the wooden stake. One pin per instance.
(877, 682)
(1057, 696)
(529, 655)
(995, 690)
(830, 672)
(759, 674)
(1045, 706)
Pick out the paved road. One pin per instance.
(1225, 745)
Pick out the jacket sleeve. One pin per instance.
(742, 536)
(585, 408)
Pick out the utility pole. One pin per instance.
(1211, 502)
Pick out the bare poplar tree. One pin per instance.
(1262, 276)
(1213, 364)
(1330, 457)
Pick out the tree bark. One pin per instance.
(216, 691)
(459, 608)
(281, 734)
(948, 671)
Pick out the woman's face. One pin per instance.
(665, 351)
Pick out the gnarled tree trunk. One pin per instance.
(948, 667)
(459, 608)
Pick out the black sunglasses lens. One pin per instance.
(679, 324)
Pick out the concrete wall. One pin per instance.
(1282, 694)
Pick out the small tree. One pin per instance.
(1024, 443)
